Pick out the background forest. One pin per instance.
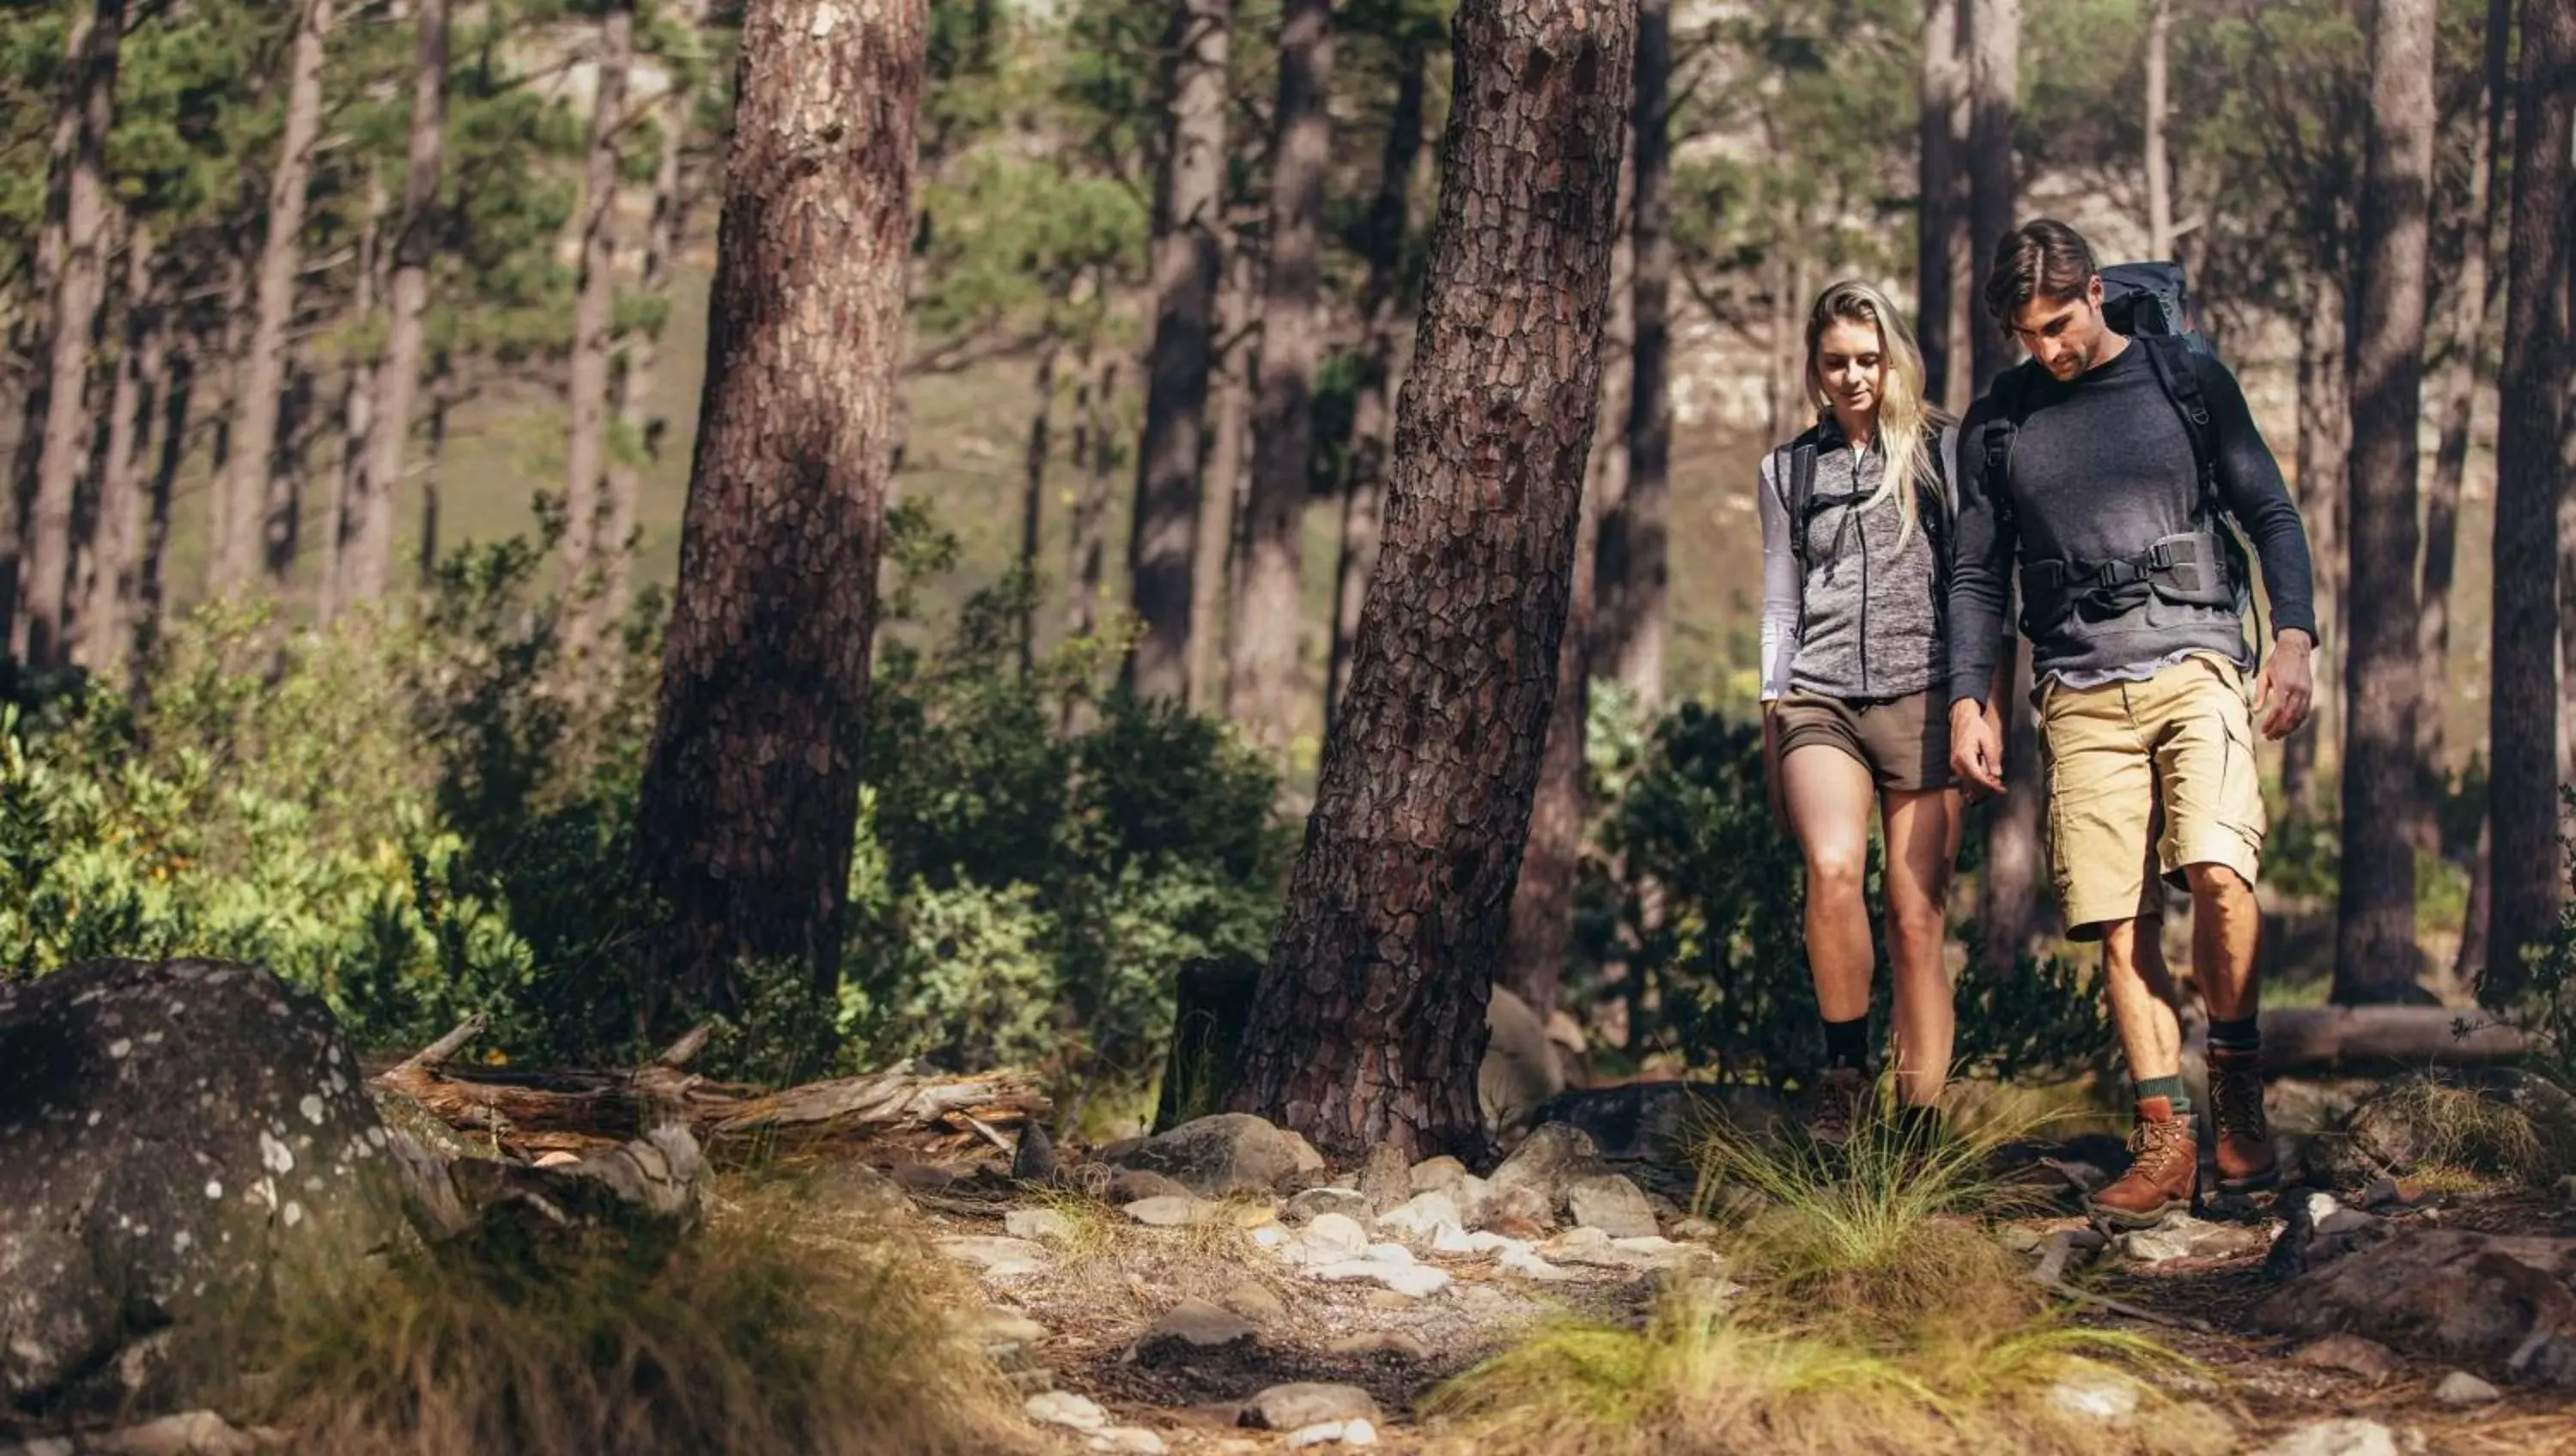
(353, 361)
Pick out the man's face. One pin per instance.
(2065, 335)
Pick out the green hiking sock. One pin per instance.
(2168, 1088)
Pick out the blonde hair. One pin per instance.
(1905, 417)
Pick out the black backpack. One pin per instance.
(2150, 303)
(1794, 471)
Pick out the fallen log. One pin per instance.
(529, 1113)
(2307, 1040)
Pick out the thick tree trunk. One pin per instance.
(1540, 941)
(1088, 544)
(1994, 88)
(594, 308)
(1033, 469)
(260, 388)
(441, 399)
(2376, 957)
(1638, 660)
(1941, 216)
(2523, 707)
(282, 524)
(1373, 411)
(357, 414)
(2324, 443)
(1213, 551)
(2468, 375)
(640, 361)
(38, 637)
(1263, 638)
(1370, 1017)
(750, 792)
(369, 552)
(151, 585)
(1188, 218)
(2160, 228)
(107, 615)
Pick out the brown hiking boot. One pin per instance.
(1834, 1108)
(2164, 1166)
(2244, 1152)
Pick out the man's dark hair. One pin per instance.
(2043, 258)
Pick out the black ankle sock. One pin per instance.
(1847, 1043)
(2244, 1034)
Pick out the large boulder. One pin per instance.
(2497, 1303)
(1228, 1154)
(1520, 1070)
(179, 1142)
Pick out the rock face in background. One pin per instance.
(178, 1140)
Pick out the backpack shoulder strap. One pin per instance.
(2180, 379)
(2010, 393)
(1798, 491)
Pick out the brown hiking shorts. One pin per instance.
(1903, 742)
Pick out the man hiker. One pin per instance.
(2101, 470)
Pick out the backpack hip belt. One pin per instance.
(2191, 569)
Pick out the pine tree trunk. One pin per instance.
(1087, 544)
(2376, 954)
(750, 794)
(2523, 707)
(1643, 627)
(1605, 470)
(176, 394)
(1187, 253)
(1033, 495)
(2324, 443)
(357, 414)
(259, 392)
(1264, 638)
(2468, 376)
(35, 335)
(1370, 1018)
(594, 308)
(80, 293)
(1540, 942)
(1994, 88)
(434, 457)
(370, 552)
(1373, 410)
(1940, 239)
(639, 363)
(107, 616)
(2008, 902)
(283, 510)
(2160, 227)
(1212, 552)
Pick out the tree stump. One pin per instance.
(1215, 1003)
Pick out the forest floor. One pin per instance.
(1092, 1316)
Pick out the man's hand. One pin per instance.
(2286, 692)
(1976, 746)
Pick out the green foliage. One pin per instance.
(1705, 906)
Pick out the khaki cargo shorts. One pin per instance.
(2175, 750)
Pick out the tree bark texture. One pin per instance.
(106, 619)
(638, 364)
(369, 554)
(1372, 412)
(44, 277)
(1642, 628)
(1941, 216)
(1033, 468)
(1265, 635)
(594, 308)
(2469, 374)
(1212, 553)
(1369, 1021)
(2375, 952)
(1540, 941)
(176, 394)
(259, 392)
(442, 392)
(1994, 82)
(1087, 565)
(2160, 227)
(39, 635)
(2319, 463)
(2523, 706)
(357, 410)
(750, 794)
(1605, 471)
(1187, 253)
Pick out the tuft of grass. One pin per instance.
(1883, 1234)
(2463, 1136)
(1701, 1378)
(779, 1328)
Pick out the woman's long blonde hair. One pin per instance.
(1905, 417)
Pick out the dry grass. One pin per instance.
(779, 1329)
(2467, 1137)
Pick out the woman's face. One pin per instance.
(1851, 366)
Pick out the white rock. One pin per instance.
(1354, 1432)
(1396, 1254)
(2347, 1437)
(1272, 1236)
(1583, 1246)
(2097, 1398)
(997, 1258)
(1134, 1439)
(1167, 1211)
(1612, 1203)
(1520, 1260)
(1064, 1408)
(1038, 1223)
(1456, 1242)
(1349, 1202)
(2461, 1388)
(1421, 1216)
(1333, 1236)
(1419, 1280)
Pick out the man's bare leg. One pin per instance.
(2226, 930)
(2140, 989)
